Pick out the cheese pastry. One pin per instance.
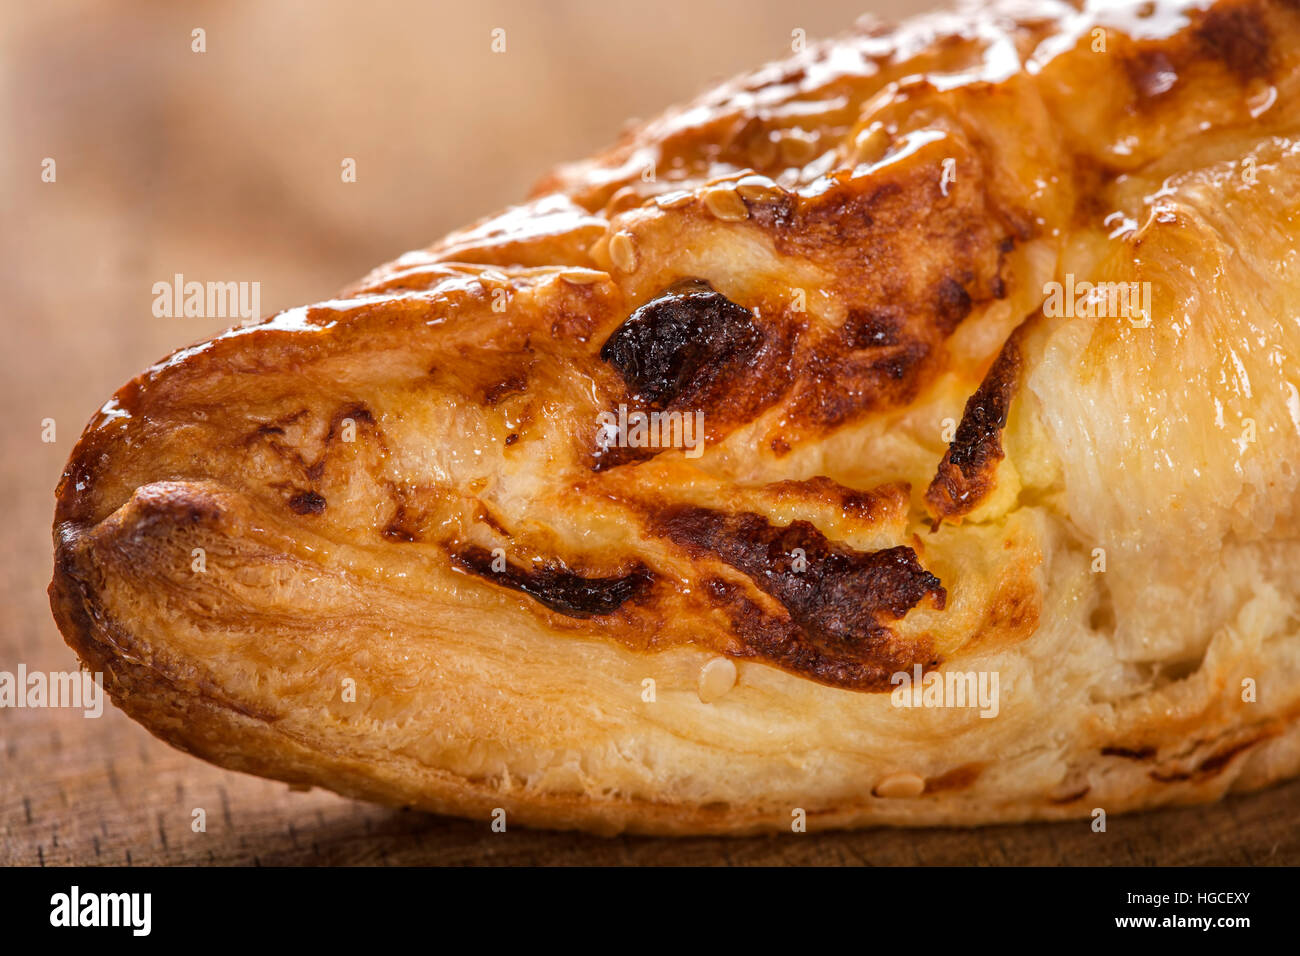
(904, 433)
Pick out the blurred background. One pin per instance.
(225, 165)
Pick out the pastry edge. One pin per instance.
(222, 734)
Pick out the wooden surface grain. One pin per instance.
(226, 166)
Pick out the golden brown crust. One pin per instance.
(385, 543)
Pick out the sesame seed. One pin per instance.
(586, 277)
(798, 147)
(900, 785)
(717, 677)
(725, 203)
(678, 197)
(759, 189)
(622, 252)
(624, 198)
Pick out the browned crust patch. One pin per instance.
(835, 602)
(872, 506)
(1215, 763)
(967, 473)
(691, 349)
(556, 585)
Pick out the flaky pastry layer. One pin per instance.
(401, 544)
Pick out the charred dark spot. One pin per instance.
(841, 592)
(1141, 753)
(692, 350)
(894, 366)
(838, 600)
(871, 329)
(557, 586)
(307, 503)
(511, 385)
(511, 439)
(952, 303)
(782, 643)
(401, 527)
(671, 350)
(1239, 37)
(986, 413)
(966, 473)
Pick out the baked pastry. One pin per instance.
(691, 495)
